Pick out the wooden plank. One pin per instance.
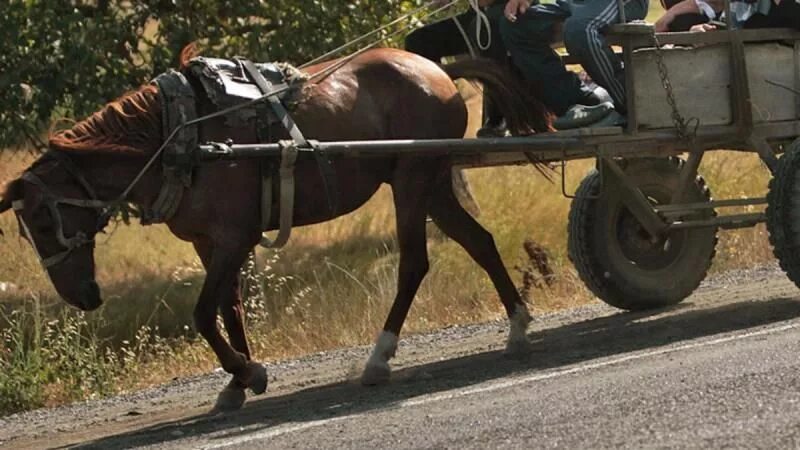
(700, 80)
(712, 37)
(772, 62)
(797, 77)
(630, 82)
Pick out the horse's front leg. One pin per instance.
(221, 291)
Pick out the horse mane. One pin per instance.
(129, 125)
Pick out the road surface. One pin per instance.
(720, 370)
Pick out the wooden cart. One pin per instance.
(642, 226)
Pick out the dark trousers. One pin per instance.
(443, 39)
(785, 15)
(528, 39)
(684, 22)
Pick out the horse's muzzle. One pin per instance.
(89, 299)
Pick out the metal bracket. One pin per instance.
(600, 170)
(633, 198)
(764, 150)
(688, 173)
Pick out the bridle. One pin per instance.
(52, 202)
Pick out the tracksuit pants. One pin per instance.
(528, 40)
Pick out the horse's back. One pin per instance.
(390, 94)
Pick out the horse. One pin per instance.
(380, 94)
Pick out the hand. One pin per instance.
(662, 24)
(515, 7)
(702, 28)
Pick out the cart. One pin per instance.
(643, 226)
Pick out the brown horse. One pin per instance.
(381, 94)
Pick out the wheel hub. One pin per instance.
(641, 248)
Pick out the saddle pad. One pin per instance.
(226, 84)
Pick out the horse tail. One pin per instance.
(523, 111)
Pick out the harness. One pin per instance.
(52, 202)
(179, 115)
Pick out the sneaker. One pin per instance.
(582, 115)
(595, 95)
(613, 119)
(494, 130)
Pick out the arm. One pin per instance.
(705, 7)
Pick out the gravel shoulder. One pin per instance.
(322, 386)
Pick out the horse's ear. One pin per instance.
(188, 52)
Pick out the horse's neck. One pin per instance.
(111, 175)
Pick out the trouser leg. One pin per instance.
(440, 39)
(583, 37)
(528, 40)
(786, 14)
(497, 51)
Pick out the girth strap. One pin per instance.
(287, 171)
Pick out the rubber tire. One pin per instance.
(597, 250)
(783, 212)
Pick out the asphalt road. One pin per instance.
(719, 371)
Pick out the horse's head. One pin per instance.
(59, 215)
(57, 203)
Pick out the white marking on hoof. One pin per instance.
(518, 343)
(230, 399)
(377, 370)
(257, 381)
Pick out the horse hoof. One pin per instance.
(376, 374)
(230, 399)
(518, 348)
(257, 381)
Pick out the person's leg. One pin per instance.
(528, 40)
(494, 123)
(584, 39)
(440, 39)
(684, 22)
(787, 14)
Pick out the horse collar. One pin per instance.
(177, 108)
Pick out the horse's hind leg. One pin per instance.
(221, 290)
(454, 221)
(411, 193)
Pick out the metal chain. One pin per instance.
(680, 123)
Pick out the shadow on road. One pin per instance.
(554, 348)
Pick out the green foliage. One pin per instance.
(65, 58)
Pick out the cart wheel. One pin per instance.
(783, 212)
(615, 256)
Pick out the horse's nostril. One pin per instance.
(90, 296)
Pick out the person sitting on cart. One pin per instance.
(584, 22)
(746, 13)
(682, 19)
(446, 38)
(587, 106)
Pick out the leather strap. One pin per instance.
(286, 172)
(177, 108)
(288, 159)
(324, 164)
